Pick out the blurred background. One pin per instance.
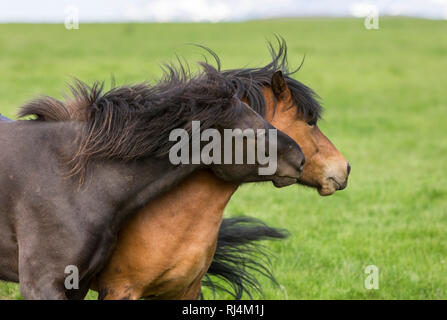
(212, 10)
(380, 69)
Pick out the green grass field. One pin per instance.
(386, 109)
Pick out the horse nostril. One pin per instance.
(349, 168)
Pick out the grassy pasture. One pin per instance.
(386, 109)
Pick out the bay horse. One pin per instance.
(167, 248)
(68, 187)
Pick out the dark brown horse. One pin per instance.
(166, 249)
(49, 221)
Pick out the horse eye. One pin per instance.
(312, 123)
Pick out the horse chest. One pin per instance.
(186, 266)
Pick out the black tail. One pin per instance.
(239, 254)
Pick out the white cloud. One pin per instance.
(363, 9)
(173, 10)
(210, 10)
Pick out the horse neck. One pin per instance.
(139, 183)
(202, 198)
(207, 191)
(193, 208)
(211, 194)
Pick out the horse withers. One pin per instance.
(68, 187)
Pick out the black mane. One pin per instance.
(249, 83)
(129, 122)
(132, 121)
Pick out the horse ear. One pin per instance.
(279, 86)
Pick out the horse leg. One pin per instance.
(49, 292)
(39, 285)
(46, 284)
(193, 293)
(43, 262)
(97, 261)
(38, 275)
(119, 292)
(78, 294)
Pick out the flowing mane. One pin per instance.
(250, 81)
(131, 122)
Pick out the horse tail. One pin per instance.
(239, 257)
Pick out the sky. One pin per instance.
(56, 11)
